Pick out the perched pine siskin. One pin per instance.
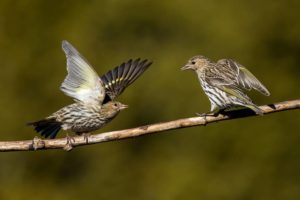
(223, 82)
(94, 96)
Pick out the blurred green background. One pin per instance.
(251, 158)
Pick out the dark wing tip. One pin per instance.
(123, 75)
(138, 68)
(148, 62)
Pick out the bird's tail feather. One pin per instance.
(255, 108)
(46, 127)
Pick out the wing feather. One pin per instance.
(82, 82)
(116, 80)
(244, 77)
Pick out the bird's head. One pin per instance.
(112, 108)
(196, 62)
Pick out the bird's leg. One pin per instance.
(212, 113)
(86, 137)
(70, 140)
(204, 115)
(36, 142)
(207, 114)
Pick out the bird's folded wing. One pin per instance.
(244, 77)
(228, 87)
(82, 82)
(116, 80)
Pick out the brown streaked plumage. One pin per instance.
(224, 81)
(79, 118)
(94, 96)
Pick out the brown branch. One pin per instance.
(39, 144)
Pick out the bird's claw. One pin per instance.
(69, 146)
(204, 115)
(86, 137)
(36, 142)
(201, 114)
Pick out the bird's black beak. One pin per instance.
(186, 67)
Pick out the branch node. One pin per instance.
(37, 143)
(144, 127)
(68, 147)
(69, 144)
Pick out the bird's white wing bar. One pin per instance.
(82, 82)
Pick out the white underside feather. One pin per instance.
(82, 82)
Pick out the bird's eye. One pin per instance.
(193, 62)
(115, 105)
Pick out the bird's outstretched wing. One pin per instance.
(115, 81)
(82, 82)
(244, 77)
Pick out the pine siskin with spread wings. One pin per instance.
(94, 96)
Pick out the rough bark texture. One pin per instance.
(43, 144)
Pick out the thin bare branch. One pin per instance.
(39, 144)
